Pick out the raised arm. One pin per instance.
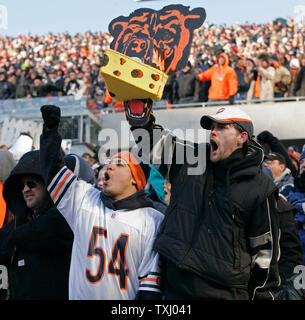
(66, 191)
(166, 151)
(51, 160)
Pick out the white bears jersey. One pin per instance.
(112, 256)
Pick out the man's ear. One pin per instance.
(134, 182)
(243, 137)
(283, 167)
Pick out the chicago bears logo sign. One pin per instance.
(159, 38)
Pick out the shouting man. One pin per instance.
(114, 229)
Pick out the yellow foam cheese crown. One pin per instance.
(128, 79)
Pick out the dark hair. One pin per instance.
(264, 57)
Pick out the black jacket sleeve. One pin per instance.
(167, 152)
(6, 247)
(290, 244)
(264, 247)
(51, 157)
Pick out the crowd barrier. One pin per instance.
(284, 117)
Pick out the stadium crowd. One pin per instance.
(52, 202)
(62, 64)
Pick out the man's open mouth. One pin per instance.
(214, 145)
(106, 177)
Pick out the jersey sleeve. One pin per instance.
(67, 193)
(150, 266)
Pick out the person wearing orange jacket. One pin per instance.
(224, 83)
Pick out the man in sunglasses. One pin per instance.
(114, 229)
(34, 192)
(36, 246)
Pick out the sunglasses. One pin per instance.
(30, 183)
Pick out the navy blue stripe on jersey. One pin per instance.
(65, 190)
(64, 170)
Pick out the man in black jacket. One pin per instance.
(220, 235)
(36, 246)
(188, 85)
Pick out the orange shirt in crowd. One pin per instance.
(223, 79)
(2, 206)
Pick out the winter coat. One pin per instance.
(290, 244)
(284, 179)
(296, 196)
(223, 79)
(188, 85)
(243, 86)
(216, 223)
(35, 248)
(282, 79)
(267, 77)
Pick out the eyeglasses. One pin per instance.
(117, 161)
(30, 183)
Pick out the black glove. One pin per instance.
(51, 116)
(265, 137)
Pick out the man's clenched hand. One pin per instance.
(51, 116)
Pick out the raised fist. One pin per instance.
(51, 116)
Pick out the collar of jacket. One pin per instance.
(47, 205)
(222, 169)
(249, 165)
(135, 201)
(240, 165)
(285, 175)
